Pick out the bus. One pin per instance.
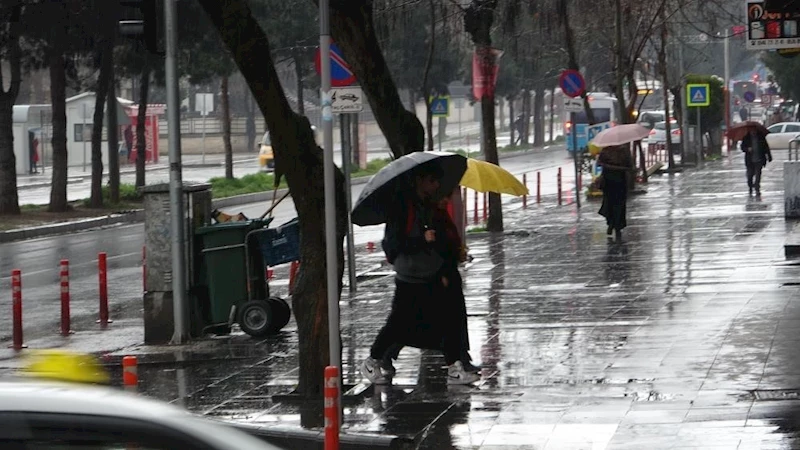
(605, 109)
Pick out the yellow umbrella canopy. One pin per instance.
(482, 176)
(65, 366)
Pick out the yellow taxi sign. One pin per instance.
(65, 366)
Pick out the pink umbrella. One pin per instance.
(620, 134)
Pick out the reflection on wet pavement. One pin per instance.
(676, 337)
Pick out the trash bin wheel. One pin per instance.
(282, 312)
(256, 318)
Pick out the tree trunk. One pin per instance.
(251, 123)
(58, 95)
(112, 131)
(662, 63)
(552, 113)
(426, 92)
(96, 198)
(538, 117)
(526, 117)
(141, 130)
(298, 72)
(298, 158)
(478, 19)
(226, 127)
(620, 65)
(354, 32)
(511, 120)
(501, 108)
(9, 200)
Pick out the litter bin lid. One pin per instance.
(164, 187)
(251, 224)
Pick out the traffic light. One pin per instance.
(145, 26)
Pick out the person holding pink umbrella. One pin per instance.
(617, 163)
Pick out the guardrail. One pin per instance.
(794, 149)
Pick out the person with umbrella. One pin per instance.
(756, 151)
(617, 163)
(421, 276)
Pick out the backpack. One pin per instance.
(390, 247)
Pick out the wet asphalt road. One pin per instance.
(39, 258)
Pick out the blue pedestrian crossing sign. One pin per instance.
(440, 106)
(698, 95)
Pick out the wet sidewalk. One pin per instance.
(683, 335)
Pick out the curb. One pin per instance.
(138, 215)
(300, 438)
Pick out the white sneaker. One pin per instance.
(371, 369)
(457, 375)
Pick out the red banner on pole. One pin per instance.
(485, 67)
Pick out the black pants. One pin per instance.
(420, 318)
(754, 175)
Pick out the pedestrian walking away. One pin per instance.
(617, 167)
(413, 245)
(756, 155)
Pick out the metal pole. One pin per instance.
(575, 159)
(440, 133)
(347, 161)
(726, 92)
(699, 139)
(334, 346)
(83, 136)
(204, 128)
(684, 110)
(175, 177)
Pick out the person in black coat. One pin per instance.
(757, 154)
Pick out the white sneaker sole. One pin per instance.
(380, 379)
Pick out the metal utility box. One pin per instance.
(158, 298)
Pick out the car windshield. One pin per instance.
(663, 125)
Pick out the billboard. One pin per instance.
(772, 24)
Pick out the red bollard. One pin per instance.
(538, 187)
(331, 392)
(65, 325)
(525, 196)
(102, 270)
(475, 215)
(559, 185)
(144, 268)
(485, 206)
(370, 246)
(16, 307)
(292, 274)
(270, 274)
(130, 373)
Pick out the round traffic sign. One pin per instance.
(341, 74)
(572, 83)
(749, 96)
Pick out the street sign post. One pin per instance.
(573, 105)
(440, 106)
(698, 95)
(573, 85)
(347, 100)
(341, 74)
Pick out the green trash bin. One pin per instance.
(223, 277)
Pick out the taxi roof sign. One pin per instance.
(65, 366)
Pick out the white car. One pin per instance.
(659, 132)
(781, 133)
(54, 415)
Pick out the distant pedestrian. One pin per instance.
(757, 154)
(410, 243)
(128, 134)
(617, 167)
(35, 156)
(519, 126)
(744, 114)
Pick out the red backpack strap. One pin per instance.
(410, 218)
